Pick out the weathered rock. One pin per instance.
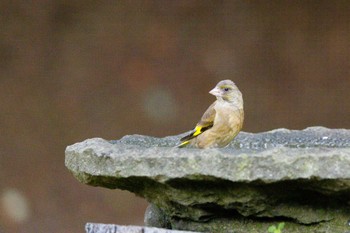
(155, 217)
(301, 177)
(111, 228)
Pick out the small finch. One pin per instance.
(221, 122)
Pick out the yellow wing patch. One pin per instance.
(197, 131)
(204, 124)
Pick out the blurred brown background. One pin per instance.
(72, 70)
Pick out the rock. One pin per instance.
(155, 217)
(300, 177)
(111, 228)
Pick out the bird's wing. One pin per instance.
(204, 124)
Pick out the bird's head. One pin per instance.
(226, 90)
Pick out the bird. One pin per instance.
(221, 122)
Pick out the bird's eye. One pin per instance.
(226, 89)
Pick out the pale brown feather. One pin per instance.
(208, 117)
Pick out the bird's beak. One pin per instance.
(215, 92)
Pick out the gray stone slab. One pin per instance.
(112, 228)
(299, 175)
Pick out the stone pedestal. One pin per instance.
(301, 178)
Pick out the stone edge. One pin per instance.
(113, 228)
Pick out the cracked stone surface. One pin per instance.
(301, 177)
(112, 228)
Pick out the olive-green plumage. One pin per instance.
(221, 122)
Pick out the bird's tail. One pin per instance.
(183, 144)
